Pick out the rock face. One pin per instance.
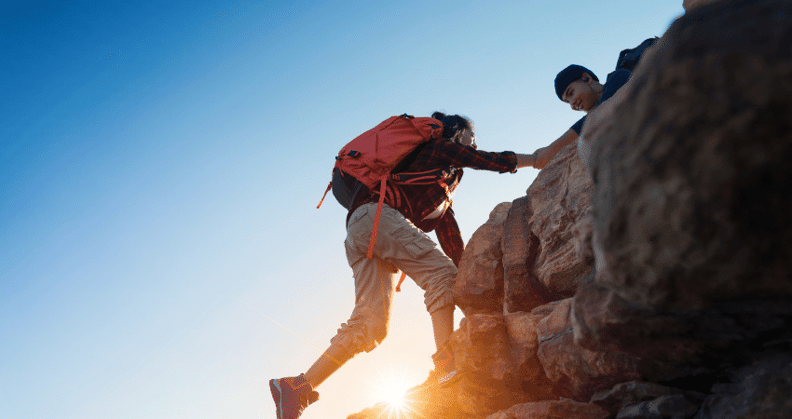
(690, 210)
(479, 284)
(759, 390)
(688, 311)
(576, 371)
(541, 261)
(561, 409)
(481, 348)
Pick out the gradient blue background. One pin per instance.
(161, 255)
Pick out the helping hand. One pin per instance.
(542, 156)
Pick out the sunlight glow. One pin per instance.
(391, 389)
(394, 396)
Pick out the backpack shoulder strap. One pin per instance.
(375, 229)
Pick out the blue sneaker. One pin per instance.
(292, 395)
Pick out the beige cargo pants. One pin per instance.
(400, 246)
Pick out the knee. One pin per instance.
(378, 332)
(375, 331)
(361, 335)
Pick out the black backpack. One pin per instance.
(629, 58)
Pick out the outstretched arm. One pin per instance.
(525, 160)
(545, 154)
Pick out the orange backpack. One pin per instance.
(366, 164)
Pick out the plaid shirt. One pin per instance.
(416, 202)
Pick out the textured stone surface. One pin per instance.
(543, 261)
(691, 203)
(556, 323)
(560, 198)
(544, 310)
(522, 289)
(675, 344)
(555, 409)
(690, 222)
(521, 331)
(479, 282)
(672, 406)
(578, 372)
(483, 356)
(640, 397)
(761, 390)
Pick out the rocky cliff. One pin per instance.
(687, 311)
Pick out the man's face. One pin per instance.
(580, 96)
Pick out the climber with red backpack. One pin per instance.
(396, 181)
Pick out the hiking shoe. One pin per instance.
(445, 368)
(292, 395)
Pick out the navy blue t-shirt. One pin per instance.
(613, 83)
(628, 59)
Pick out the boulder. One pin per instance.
(635, 398)
(760, 390)
(479, 281)
(522, 288)
(482, 353)
(521, 331)
(578, 372)
(670, 406)
(690, 221)
(542, 259)
(560, 198)
(555, 409)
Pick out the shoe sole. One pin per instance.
(277, 396)
(453, 379)
(447, 378)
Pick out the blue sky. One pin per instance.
(161, 255)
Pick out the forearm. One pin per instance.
(556, 146)
(525, 160)
(448, 153)
(545, 154)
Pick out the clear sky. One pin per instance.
(161, 254)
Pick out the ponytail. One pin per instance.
(454, 126)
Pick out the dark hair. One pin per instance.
(454, 126)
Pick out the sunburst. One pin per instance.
(390, 389)
(394, 396)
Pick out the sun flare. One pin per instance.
(394, 396)
(391, 389)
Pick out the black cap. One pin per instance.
(568, 75)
